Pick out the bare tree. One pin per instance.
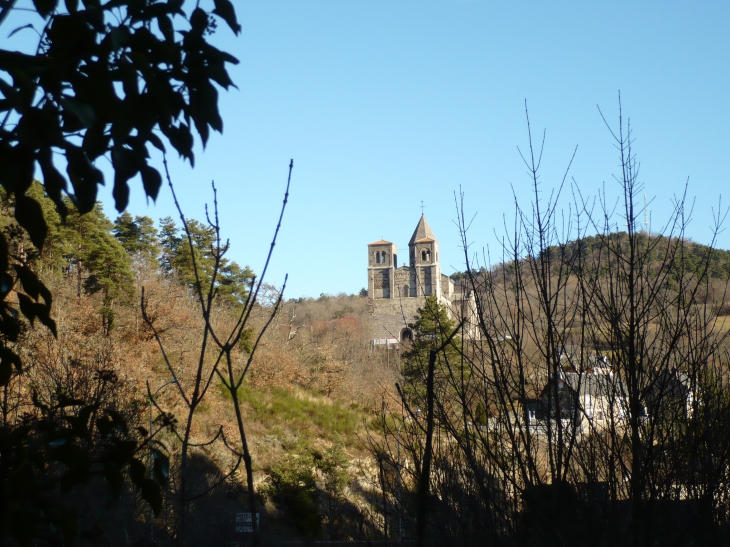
(216, 352)
(600, 368)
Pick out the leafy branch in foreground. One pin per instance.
(107, 80)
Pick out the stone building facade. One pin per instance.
(396, 292)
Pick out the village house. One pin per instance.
(593, 398)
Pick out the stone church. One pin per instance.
(396, 292)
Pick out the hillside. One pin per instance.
(333, 454)
(312, 387)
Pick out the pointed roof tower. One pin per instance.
(423, 231)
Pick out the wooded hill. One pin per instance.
(335, 452)
(594, 406)
(312, 388)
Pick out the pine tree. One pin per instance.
(232, 281)
(432, 328)
(96, 257)
(81, 246)
(138, 236)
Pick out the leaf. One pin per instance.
(114, 478)
(73, 456)
(84, 177)
(53, 180)
(45, 294)
(35, 288)
(119, 37)
(174, 5)
(8, 356)
(9, 325)
(206, 101)
(219, 74)
(82, 110)
(38, 403)
(27, 306)
(43, 314)
(156, 142)
(198, 21)
(95, 142)
(181, 140)
(29, 280)
(118, 420)
(152, 494)
(152, 181)
(29, 215)
(166, 28)
(44, 7)
(17, 170)
(126, 163)
(80, 423)
(137, 471)
(72, 6)
(161, 466)
(224, 9)
(120, 191)
(6, 283)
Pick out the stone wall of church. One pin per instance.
(381, 283)
(402, 283)
(387, 316)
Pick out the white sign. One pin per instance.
(245, 524)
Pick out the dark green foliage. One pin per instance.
(95, 254)
(694, 257)
(232, 281)
(431, 329)
(293, 489)
(87, 76)
(278, 405)
(79, 244)
(138, 236)
(68, 445)
(34, 299)
(333, 464)
(107, 79)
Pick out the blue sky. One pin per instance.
(382, 104)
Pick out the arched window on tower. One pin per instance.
(406, 291)
(406, 335)
(423, 255)
(377, 257)
(383, 258)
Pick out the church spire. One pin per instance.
(423, 231)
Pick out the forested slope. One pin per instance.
(312, 387)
